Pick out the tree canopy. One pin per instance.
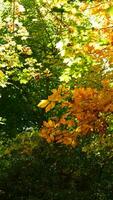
(56, 99)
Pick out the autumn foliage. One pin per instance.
(83, 111)
(87, 50)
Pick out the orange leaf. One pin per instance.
(49, 124)
(50, 106)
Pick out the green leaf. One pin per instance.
(110, 10)
(23, 81)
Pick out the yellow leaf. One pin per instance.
(50, 123)
(1, 74)
(43, 103)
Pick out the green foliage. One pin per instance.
(26, 75)
(52, 171)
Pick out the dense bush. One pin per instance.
(53, 171)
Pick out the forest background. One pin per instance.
(56, 100)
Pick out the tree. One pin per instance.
(57, 54)
(25, 73)
(88, 69)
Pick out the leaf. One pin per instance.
(55, 96)
(50, 106)
(43, 103)
(49, 124)
(1, 75)
(110, 10)
(23, 81)
(65, 77)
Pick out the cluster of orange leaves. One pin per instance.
(86, 112)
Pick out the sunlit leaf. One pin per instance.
(110, 10)
(43, 103)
